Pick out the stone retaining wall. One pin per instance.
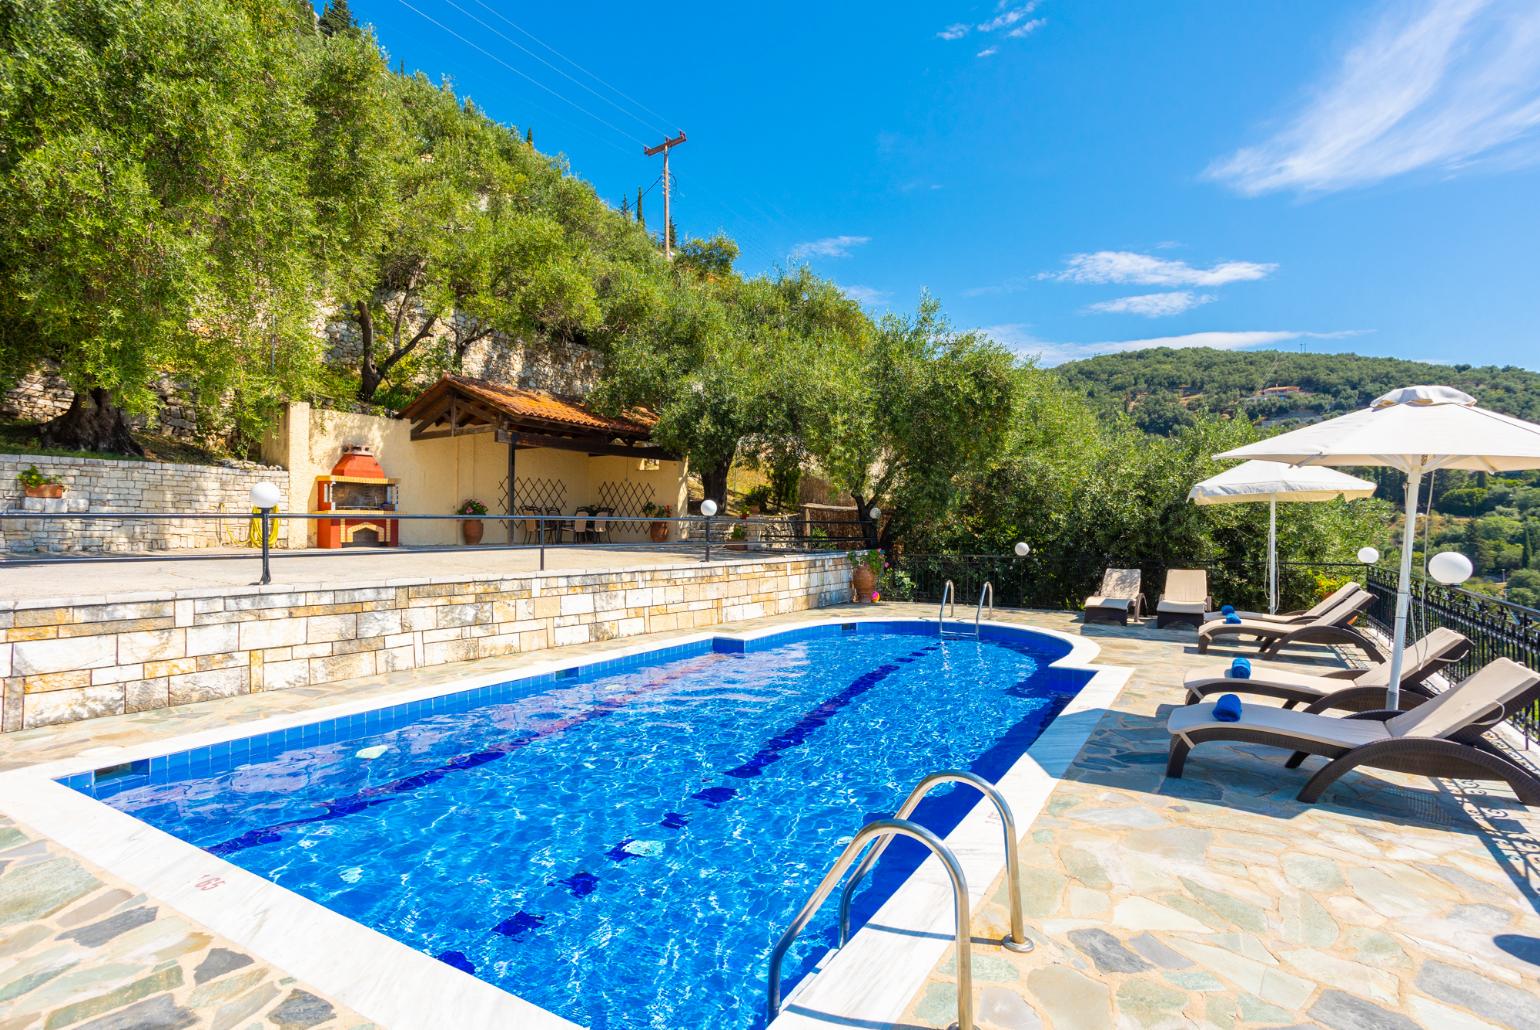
(64, 664)
(96, 484)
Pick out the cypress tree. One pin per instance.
(625, 208)
(337, 18)
(529, 136)
(640, 218)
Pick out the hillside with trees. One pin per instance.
(215, 191)
(1162, 387)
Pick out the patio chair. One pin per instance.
(1118, 598)
(580, 532)
(529, 527)
(557, 529)
(599, 529)
(1304, 615)
(1352, 690)
(1332, 627)
(1185, 599)
(1443, 737)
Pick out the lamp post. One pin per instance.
(265, 497)
(708, 508)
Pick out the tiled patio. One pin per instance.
(1212, 901)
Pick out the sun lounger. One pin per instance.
(1332, 627)
(1118, 599)
(1305, 615)
(1185, 600)
(1442, 737)
(1352, 690)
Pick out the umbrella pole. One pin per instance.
(1272, 556)
(1403, 590)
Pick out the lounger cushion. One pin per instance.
(1268, 629)
(1305, 727)
(1098, 601)
(1182, 607)
(1268, 675)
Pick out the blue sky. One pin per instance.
(1076, 178)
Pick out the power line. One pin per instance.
(513, 42)
(618, 92)
(523, 75)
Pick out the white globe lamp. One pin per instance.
(1450, 567)
(875, 513)
(265, 495)
(1368, 555)
(1022, 550)
(708, 507)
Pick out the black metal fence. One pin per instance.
(1496, 628)
(923, 577)
(710, 538)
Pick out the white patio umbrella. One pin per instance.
(1417, 429)
(1273, 481)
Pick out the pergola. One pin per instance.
(462, 406)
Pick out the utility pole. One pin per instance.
(663, 148)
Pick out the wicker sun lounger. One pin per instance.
(1310, 614)
(1330, 628)
(1185, 600)
(1442, 737)
(1352, 690)
(1118, 599)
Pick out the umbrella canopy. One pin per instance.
(1417, 429)
(1274, 481)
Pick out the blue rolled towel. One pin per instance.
(1228, 709)
(1240, 669)
(1233, 619)
(1228, 609)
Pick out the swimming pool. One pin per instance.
(619, 843)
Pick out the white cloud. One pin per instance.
(1014, 18)
(1153, 305)
(1121, 266)
(1431, 85)
(1017, 337)
(1008, 16)
(829, 246)
(867, 296)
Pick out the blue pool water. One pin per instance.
(620, 844)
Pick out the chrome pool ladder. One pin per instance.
(882, 831)
(949, 593)
(978, 614)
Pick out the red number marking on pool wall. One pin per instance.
(208, 883)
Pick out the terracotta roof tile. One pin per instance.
(535, 405)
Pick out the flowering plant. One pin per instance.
(656, 511)
(471, 506)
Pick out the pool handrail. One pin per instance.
(948, 593)
(1017, 940)
(886, 829)
(978, 614)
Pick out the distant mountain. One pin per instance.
(1161, 388)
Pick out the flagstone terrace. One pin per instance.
(1210, 901)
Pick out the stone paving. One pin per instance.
(1211, 901)
(1219, 901)
(81, 949)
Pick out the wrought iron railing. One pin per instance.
(1496, 628)
(922, 577)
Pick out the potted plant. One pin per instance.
(865, 567)
(471, 529)
(657, 530)
(36, 484)
(739, 534)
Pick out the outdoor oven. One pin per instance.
(358, 490)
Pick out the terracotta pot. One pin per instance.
(471, 530)
(46, 490)
(863, 581)
(658, 531)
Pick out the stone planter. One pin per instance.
(862, 582)
(471, 531)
